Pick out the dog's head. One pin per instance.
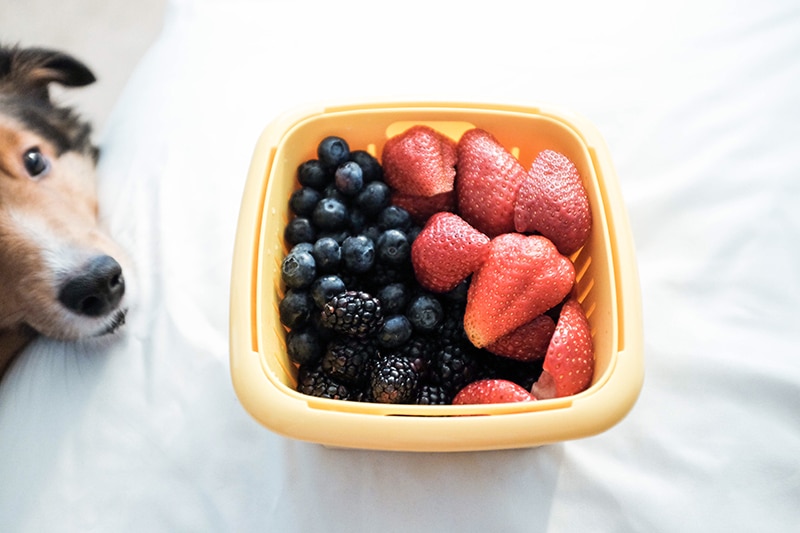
(60, 274)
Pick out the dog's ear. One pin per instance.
(35, 68)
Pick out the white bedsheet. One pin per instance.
(698, 102)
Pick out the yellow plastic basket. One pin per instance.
(607, 286)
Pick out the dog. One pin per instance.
(60, 273)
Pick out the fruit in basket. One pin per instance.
(522, 277)
(447, 251)
(492, 391)
(393, 379)
(528, 342)
(552, 201)
(353, 313)
(487, 182)
(569, 362)
(420, 162)
(421, 208)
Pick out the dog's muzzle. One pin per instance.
(97, 290)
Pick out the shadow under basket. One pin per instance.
(607, 287)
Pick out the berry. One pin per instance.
(569, 362)
(425, 313)
(487, 183)
(301, 247)
(349, 178)
(455, 365)
(330, 214)
(526, 343)
(421, 208)
(393, 379)
(313, 174)
(326, 287)
(358, 253)
(369, 165)
(299, 230)
(492, 391)
(420, 161)
(333, 151)
(346, 359)
(298, 270)
(394, 217)
(303, 201)
(522, 277)
(303, 345)
(295, 308)
(552, 201)
(373, 198)
(394, 298)
(353, 313)
(396, 330)
(447, 251)
(393, 247)
(430, 394)
(313, 381)
(327, 254)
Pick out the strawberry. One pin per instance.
(421, 208)
(522, 277)
(447, 251)
(492, 391)
(569, 362)
(552, 201)
(487, 182)
(420, 162)
(526, 343)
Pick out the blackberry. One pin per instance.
(393, 247)
(349, 178)
(298, 230)
(327, 253)
(369, 165)
(295, 308)
(326, 287)
(353, 313)
(425, 313)
(358, 254)
(346, 359)
(430, 394)
(330, 214)
(396, 330)
(393, 379)
(303, 345)
(313, 174)
(303, 200)
(333, 151)
(421, 350)
(455, 366)
(313, 381)
(298, 270)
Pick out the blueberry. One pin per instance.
(303, 345)
(394, 298)
(393, 247)
(333, 151)
(299, 230)
(302, 201)
(302, 247)
(349, 178)
(394, 217)
(327, 254)
(332, 192)
(358, 253)
(374, 198)
(357, 220)
(371, 231)
(425, 313)
(298, 270)
(330, 214)
(369, 165)
(338, 235)
(314, 174)
(326, 287)
(295, 308)
(396, 330)
(458, 295)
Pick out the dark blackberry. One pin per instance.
(358, 253)
(333, 151)
(299, 230)
(455, 366)
(353, 313)
(346, 359)
(394, 298)
(394, 217)
(396, 330)
(393, 247)
(327, 254)
(314, 174)
(369, 165)
(430, 394)
(421, 350)
(303, 201)
(393, 379)
(326, 287)
(295, 308)
(303, 345)
(373, 198)
(313, 381)
(330, 214)
(349, 178)
(425, 313)
(298, 270)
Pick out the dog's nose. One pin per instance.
(97, 290)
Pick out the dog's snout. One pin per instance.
(95, 291)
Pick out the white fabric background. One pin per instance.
(698, 104)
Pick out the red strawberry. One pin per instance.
(492, 391)
(552, 201)
(421, 208)
(569, 363)
(526, 343)
(420, 162)
(447, 251)
(522, 277)
(487, 182)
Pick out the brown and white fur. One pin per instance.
(60, 273)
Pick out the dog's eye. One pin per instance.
(36, 163)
